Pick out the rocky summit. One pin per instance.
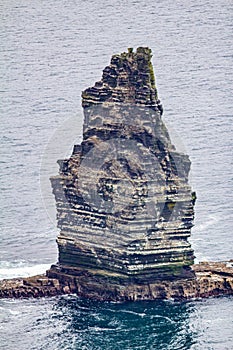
(124, 205)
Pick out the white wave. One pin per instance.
(134, 313)
(100, 329)
(210, 221)
(164, 317)
(14, 312)
(20, 269)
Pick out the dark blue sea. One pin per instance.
(49, 52)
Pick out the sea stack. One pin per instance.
(124, 205)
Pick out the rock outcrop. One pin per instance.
(123, 200)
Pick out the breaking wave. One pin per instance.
(21, 269)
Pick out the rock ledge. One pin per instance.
(211, 279)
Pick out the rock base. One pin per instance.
(210, 279)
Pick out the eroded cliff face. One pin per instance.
(124, 205)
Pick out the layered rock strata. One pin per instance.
(211, 279)
(124, 205)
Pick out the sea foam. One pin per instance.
(10, 270)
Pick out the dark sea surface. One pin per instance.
(50, 52)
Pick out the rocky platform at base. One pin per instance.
(211, 279)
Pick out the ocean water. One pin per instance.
(50, 52)
(69, 323)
